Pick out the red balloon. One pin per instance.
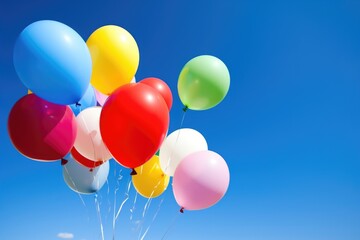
(133, 123)
(41, 130)
(83, 160)
(161, 87)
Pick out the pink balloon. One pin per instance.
(100, 97)
(200, 180)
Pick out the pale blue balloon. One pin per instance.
(53, 61)
(84, 180)
(87, 100)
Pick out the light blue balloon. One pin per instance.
(88, 100)
(53, 61)
(82, 180)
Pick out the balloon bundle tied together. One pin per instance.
(85, 107)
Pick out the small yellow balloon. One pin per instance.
(115, 58)
(150, 181)
(30, 92)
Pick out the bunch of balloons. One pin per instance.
(85, 107)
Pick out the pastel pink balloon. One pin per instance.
(200, 180)
(100, 97)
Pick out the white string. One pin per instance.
(73, 183)
(172, 224)
(147, 206)
(177, 138)
(126, 198)
(99, 216)
(153, 219)
(132, 210)
(115, 191)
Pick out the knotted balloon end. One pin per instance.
(64, 161)
(182, 209)
(133, 172)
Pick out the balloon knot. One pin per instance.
(91, 169)
(133, 172)
(185, 108)
(64, 161)
(78, 104)
(182, 209)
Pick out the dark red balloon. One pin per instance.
(133, 123)
(41, 130)
(83, 160)
(161, 87)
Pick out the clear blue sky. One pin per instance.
(289, 127)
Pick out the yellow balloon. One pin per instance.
(115, 58)
(30, 92)
(150, 181)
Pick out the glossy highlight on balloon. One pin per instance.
(115, 56)
(161, 87)
(201, 180)
(53, 61)
(133, 123)
(150, 181)
(203, 82)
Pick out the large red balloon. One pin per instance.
(133, 123)
(161, 87)
(41, 130)
(83, 160)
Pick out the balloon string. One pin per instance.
(108, 195)
(115, 191)
(147, 206)
(177, 138)
(132, 210)
(153, 219)
(108, 199)
(172, 224)
(73, 183)
(183, 118)
(99, 216)
(126, 198)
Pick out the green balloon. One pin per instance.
(203, 82)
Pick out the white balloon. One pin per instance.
(177, 146)
(83, 180)
(88, 140)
